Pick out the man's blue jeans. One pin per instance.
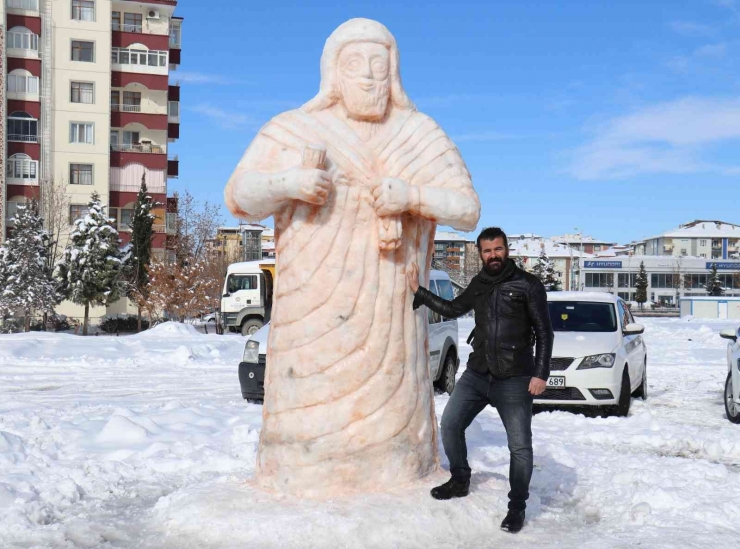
(510, 396)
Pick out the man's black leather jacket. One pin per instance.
(509, 319)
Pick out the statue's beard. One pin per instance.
(366, 105)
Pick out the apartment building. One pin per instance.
(704, 239)
(565, 259)
(586, 244)
(88, 104)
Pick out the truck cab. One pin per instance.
(246, 300)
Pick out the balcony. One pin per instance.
(23, 138)
(24, 45)
(23, 88)
(125, 108)
(173, 112)
(144, 148)
(123, 27)
(139, 61)
(173, 132)
(173, 167)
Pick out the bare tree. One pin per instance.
(196, 224)
(54, 209)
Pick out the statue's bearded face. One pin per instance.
(364, 80)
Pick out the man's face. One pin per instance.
(493, 254)
(364, 81)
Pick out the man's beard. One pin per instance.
(495, 265)
(366, 105)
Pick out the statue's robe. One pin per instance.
(348, 397)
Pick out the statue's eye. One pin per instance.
(380, 66)
(354, 64)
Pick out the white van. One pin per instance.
(443, 357)
(246, 301)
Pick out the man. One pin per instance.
(356, 180)
(510, 310)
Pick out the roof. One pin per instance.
(599, 297)
(580, 239)
(247, 265)
(446, 236)
(702, 228)
(532, 247)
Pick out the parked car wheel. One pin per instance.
(625, 396)
(642, 390)
(446, 381)
(250, 327)
(731, 409)
(254, 400)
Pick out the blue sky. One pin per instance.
(621, 119)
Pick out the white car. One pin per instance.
(443, 357)
(599, 356)
(732, 384)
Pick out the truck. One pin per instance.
(246, 301)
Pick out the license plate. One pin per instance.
(556, 382)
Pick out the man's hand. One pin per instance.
(307, 184)
(537, 386)
(412, 274)
(391, 197)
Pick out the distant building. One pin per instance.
(565, 259)
(246, 242)
(704, 239)
(584, 243)
(449, 248)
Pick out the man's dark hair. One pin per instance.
(492, 233)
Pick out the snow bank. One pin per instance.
(144, 441)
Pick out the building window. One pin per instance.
(23, 83)
(175, 34)
(83, 10)
(626, 280)
(130, 138)
(716, 244)
(80, 174)
(81, 132)
(127, 216)
(113, 217)
(702, 243)
(132, 22)
(599, 280)
(22, 127)
(20, 166)
(77, 211)
(173, 109)
(126, 56)
(663, 280)
(683, 251)
(131, 101)
(115, 100)
(83, 51)
(82, 92)
(21, 38)
(115, 18)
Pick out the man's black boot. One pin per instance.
(453, 488)
(513, 522)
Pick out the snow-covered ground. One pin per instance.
(144, 441)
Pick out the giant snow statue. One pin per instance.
(357, 180)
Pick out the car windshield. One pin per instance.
(582, 316)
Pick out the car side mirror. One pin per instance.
(633, 329)
(729, 333)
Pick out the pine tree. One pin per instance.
(25, 278)
(91, 269)
(545, 271)
(140, 249)
(714, 285)
(641, 285)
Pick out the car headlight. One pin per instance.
(597, 361)
(251, 352)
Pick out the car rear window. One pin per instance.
(582, 316)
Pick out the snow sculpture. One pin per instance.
(357, 180)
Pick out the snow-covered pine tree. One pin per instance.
(91, 270)
(641, 285)
(25, 278)
(140, 249)
(545, 271)
(714, 284)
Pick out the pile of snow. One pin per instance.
(144, 441)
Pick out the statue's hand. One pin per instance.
(391, 197)
(307, 184)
